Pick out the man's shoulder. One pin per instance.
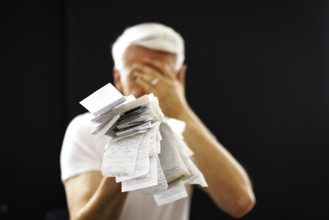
(81, 121)
(83, 117)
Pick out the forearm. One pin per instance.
(106, 203)
(228, 183)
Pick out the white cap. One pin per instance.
(151, 35)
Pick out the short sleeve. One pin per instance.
(81, 151)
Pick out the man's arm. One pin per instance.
(228, 183)
(92, 196)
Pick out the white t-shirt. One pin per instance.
(82, 152)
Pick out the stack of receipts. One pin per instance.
(143, 153)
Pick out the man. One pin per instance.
(149, 58)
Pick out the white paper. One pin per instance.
(145, 154)
(103, 100)
(120, 156)
(150, 179)
(173, 193)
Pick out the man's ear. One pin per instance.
(117, 80)
(181, 74)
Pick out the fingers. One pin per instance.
(163, 68)
(153, 73)
(155, 81)
(147, 76)
(144, 82)
(149, 79)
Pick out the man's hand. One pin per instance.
(167, 85)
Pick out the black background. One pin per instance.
(258, 76)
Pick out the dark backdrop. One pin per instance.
(257, 76)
